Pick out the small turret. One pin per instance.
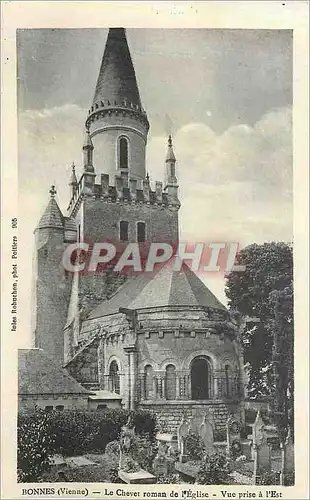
(89, 174)
(171, 182)
(73, 180)
(88, 149)
(170, 177)
(52, 217)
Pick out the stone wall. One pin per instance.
(51, 293)
(101, 221)
(169, 415)
(68, 401)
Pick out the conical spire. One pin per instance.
(170, 154)
(117, 80)
(73, 178)
(52, 217)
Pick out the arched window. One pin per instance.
(227, 380)
(201, 378)
(141, 232)
(123, 230)
(123, 153)
(148, 381)
(170, 382)
(114, 384)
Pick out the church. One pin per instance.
(158, 341)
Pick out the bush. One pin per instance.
(214, 469)
(144, 451)
(268, 478)
(34, 446)
(169, 479)
(194, 446)
(79, 431)
(113, 475)
(113, 450)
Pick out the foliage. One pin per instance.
(214, 469)
(235, 449)
(130, 465)
(113, 475)
(268, 478)
(112, 449)
(169, 479)
(283, 361)
(145, 423)
(194, 446)
(80, 431)
(34, 446)
(289, 479)
(269, 268)
(144, 451)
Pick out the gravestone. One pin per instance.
(233, 437)
(206, 432)
(168, 443)
(195, 420)
(261, 449)
(287, 459)
(160, 464)
(129, 470)
(126, 441)
(182, 432)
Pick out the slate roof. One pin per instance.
(159, 289)
(70, 224)
(105, 395)
(39, 374)
(117, 80)
(52, 216)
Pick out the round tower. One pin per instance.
(50, 293)
(117, 123)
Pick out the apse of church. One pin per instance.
(160, 340)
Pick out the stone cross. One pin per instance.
(233, 437)
(126, 441)
(160, 464)
(167, 453)
(206, 432)
(261, 449)
(182, 432)
(287, 458)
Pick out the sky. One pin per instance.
(226, 95)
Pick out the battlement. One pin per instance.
(106, 107)
(124, 190)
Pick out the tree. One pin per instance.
(283, 360)
(268, 268)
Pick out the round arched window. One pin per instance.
(114, 380)
(201, 378)
(148, 381)
(170, 382)
(123, 153)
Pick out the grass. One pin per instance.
(103, 471)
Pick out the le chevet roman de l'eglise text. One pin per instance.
(138, 373)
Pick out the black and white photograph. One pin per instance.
(153, 262)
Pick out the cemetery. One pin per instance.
(191, 455)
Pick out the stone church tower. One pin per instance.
(160, 340)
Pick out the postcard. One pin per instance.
(154, 241)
